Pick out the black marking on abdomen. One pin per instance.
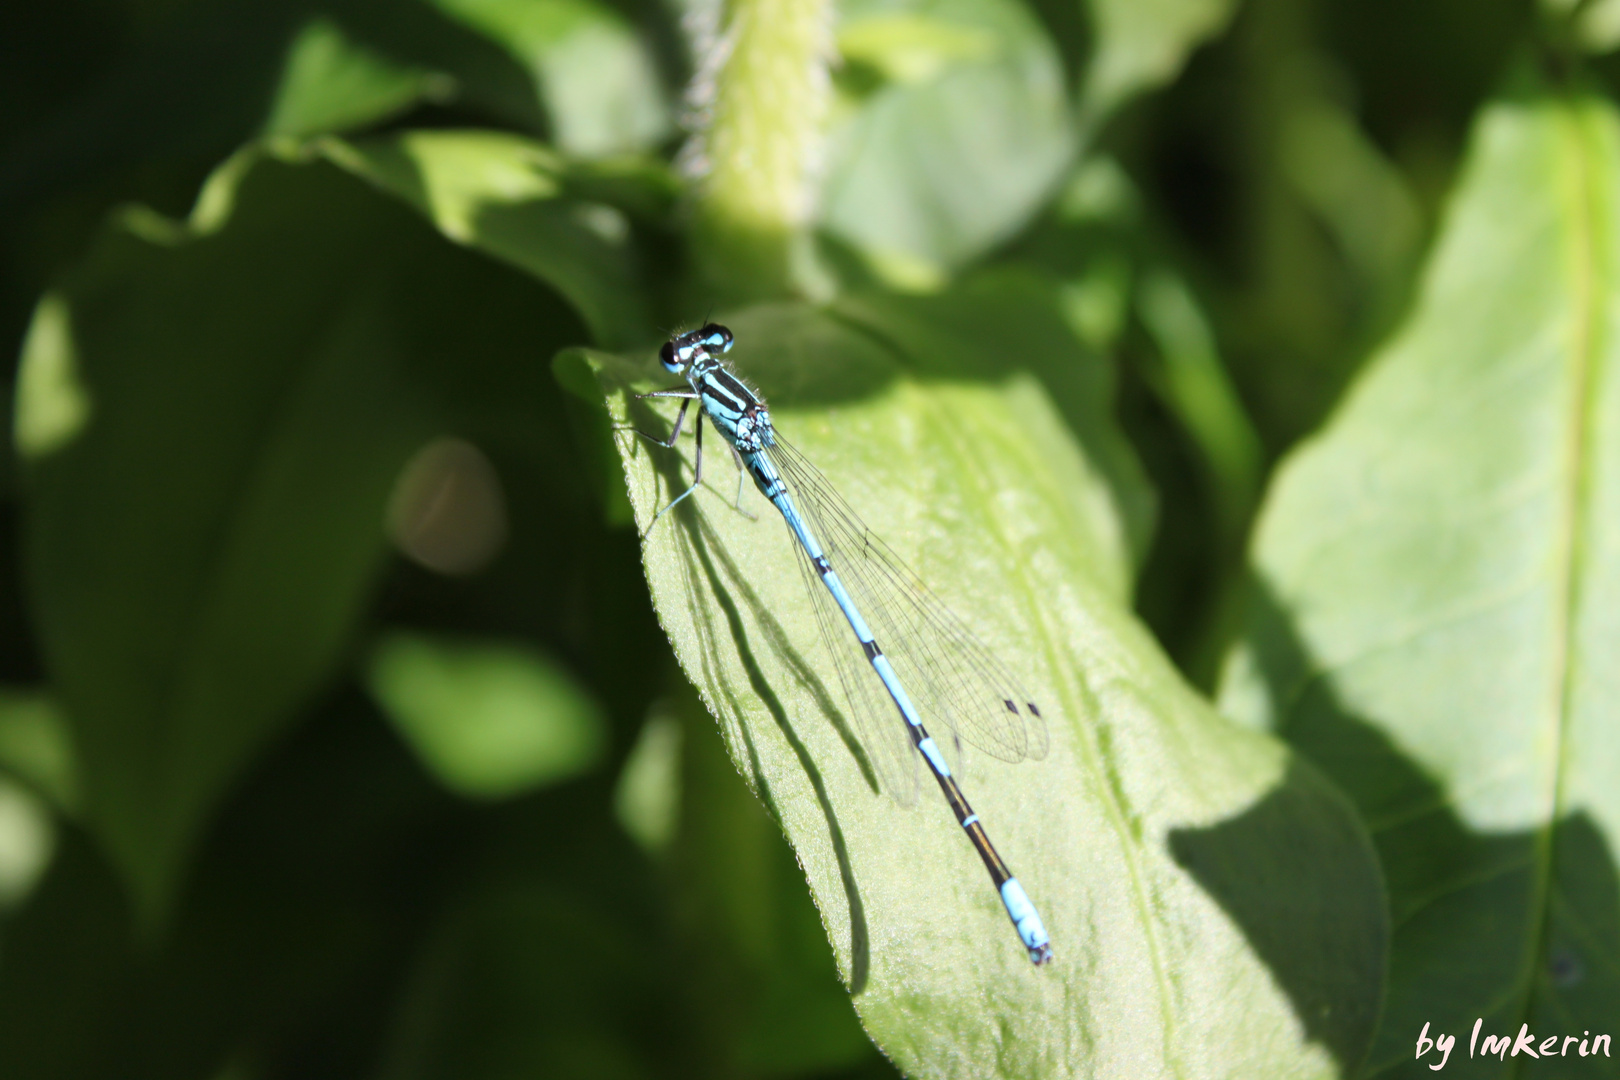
(823, 567)
(872, 650)
(970, 823)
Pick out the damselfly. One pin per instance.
(954, 676)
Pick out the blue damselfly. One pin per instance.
(849, 574)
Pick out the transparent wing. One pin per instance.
(951, 676)
(882, 730)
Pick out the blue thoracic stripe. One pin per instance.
(743, 420)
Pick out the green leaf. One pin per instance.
(1209, 899)
(36, 746)
(748, 933)
(647, 795)
(1142, 44)
(1187, 375)
(1439, 572)
(598, 77)
(502, 194)
(27, 842)
(1593, 25)
(960, 139)
(1010, 317)
(332, 83)
(51, 403)
(213, 74)
(200, 543)
(1598, 26)
(489, 720)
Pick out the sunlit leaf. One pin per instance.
(964, 133)
(1594, 25)
(1209, 899)
(1142, 44)
(489, 720)
(36, 746)
(1189, 377)
(1009, 319)
(502, 194)
(1439, 573)
(27, 842)
(332, 83)
(598, 78)
(51, 402)
(647, 797)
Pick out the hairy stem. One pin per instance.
(763, 91)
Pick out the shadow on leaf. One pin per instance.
(1295, 857)
(727, 584)
(1508, 928)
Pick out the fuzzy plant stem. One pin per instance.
(761, 98)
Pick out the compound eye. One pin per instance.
(666, 356)
(717, 336)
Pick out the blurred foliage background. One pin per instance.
(338, 735)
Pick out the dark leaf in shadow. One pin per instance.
(1293, 860)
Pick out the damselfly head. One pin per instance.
(679, 352)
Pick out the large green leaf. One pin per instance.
(1439, 572)
(211, 423)
(1213, 905)
(951, 129)
(212, 74)
(597, 74)
(504, 195)
(1142, 44)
